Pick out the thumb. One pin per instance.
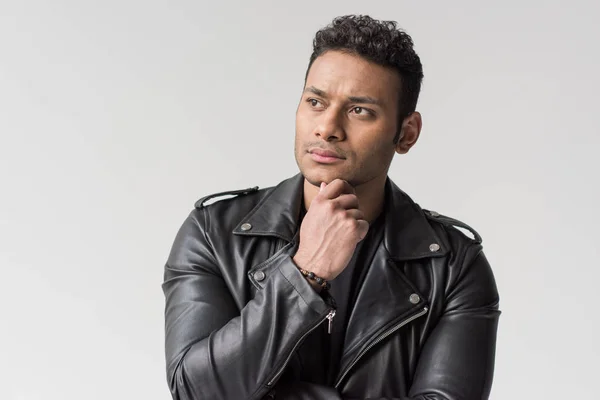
(323, 184)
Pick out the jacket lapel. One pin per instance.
(387, 299)
(277, 214)
(384, 298)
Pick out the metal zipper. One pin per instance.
(329, 316)
(379, 339)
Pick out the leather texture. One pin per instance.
(423, 327)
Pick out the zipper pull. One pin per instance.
(330, 318)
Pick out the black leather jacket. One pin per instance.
(423, 326)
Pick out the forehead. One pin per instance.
(343, 74)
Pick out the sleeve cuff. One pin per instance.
(292, 274)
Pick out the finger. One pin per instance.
(336, 188)
(323, 184)
(363, 229)
(355, 214)
(346, 201)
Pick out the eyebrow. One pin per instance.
(354, 99)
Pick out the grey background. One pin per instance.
(115, 116)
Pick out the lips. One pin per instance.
(325, 153)
(322, 156)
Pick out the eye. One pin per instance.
(361, 111)
(314, 103)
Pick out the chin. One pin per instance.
(315, 176)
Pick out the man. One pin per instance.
(334, 284)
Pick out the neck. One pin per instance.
(371, 196)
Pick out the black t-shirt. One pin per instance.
(321, 352)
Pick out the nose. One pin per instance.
(329, 126)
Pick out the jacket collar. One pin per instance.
(277, 213)
(408, 234)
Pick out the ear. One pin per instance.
(410, 131)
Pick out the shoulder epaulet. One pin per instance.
(444, 220)
(200, 203)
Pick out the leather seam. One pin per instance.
(294, 287)
(264, 265)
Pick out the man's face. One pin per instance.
(347, 120)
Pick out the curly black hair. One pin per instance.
(380, 42)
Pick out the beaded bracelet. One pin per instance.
(320, 281)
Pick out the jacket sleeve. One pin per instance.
(213, 349)
(457, 360)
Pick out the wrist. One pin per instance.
(302, 263)
(315, 279)
(318, 288)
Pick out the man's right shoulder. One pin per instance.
(226, 209)
(231, 194)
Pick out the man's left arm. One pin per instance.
(457, 361)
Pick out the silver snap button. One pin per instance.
(259, 276)
(434, 214)
(246, 226)
(434, 247)
(414, 298)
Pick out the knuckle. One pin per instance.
(330, 206)
(351, 224)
